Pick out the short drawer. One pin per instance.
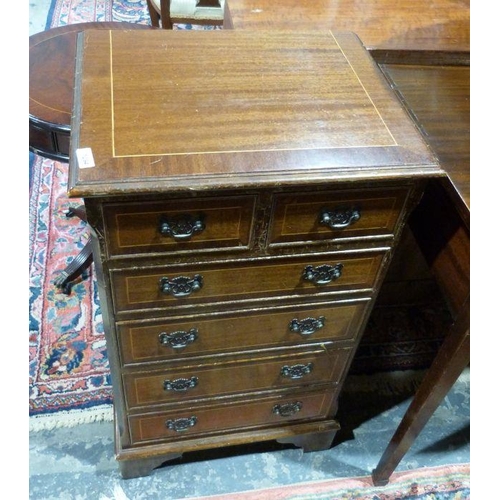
(244, 280)
(300, 218)
(234, 377)
(193, 225)
(224, 333)
(220, 418)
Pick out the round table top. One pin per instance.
(52, 56)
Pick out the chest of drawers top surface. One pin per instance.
(167, 110)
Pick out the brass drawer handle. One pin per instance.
(179, 339)
(287, 409)
(180, 384)
(181, 424)
(296, 372)
(182, 286)
(306, 326)
(181, 227)
(339, 218)
(322, 275)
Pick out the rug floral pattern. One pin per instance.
(68, 361)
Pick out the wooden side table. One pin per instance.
(437, 95)
(444, 240)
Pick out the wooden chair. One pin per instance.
(199, 12)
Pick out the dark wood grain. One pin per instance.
(139, 289)
(193, 121)
(233, 377)
(226, 333)
(135, 228)
(438, 98)
(247, 414)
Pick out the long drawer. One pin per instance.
(232, 377)
(218, 417)
(243, 280)
(337, 215)
(201, 336)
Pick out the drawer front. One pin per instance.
(199, 336)
(189, 285)
(238, 376)
(300, 218)
(205, 420)
(179, 225)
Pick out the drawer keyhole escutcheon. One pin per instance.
(287, 409)
(181, 227)
(180, 384)
(179, 339)
(306, 326)
(181, 424)
(296, 372)
(324, 274)
(182, 286)
(339, 218)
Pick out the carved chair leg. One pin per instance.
(155, 17)
(77, 212)
(81, 262)
(75, 268)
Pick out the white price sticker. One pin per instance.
(85, 158)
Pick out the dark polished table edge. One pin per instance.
(454, 186)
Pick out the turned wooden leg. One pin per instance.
(81, 262)
(452, 358)
(77, 212)
(74, 269)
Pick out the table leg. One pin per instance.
(452, 358)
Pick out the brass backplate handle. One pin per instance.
(181, 424)
(180, 384)
(324, 274)
(296, 372)
(339, 218)
(181, 286)
(307, 326)
(178, 339)
(287, 409)
(181, 227)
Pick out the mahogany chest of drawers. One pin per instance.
(245, 192)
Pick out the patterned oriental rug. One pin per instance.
(68, 363)
(430, 483)
(68, 367)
